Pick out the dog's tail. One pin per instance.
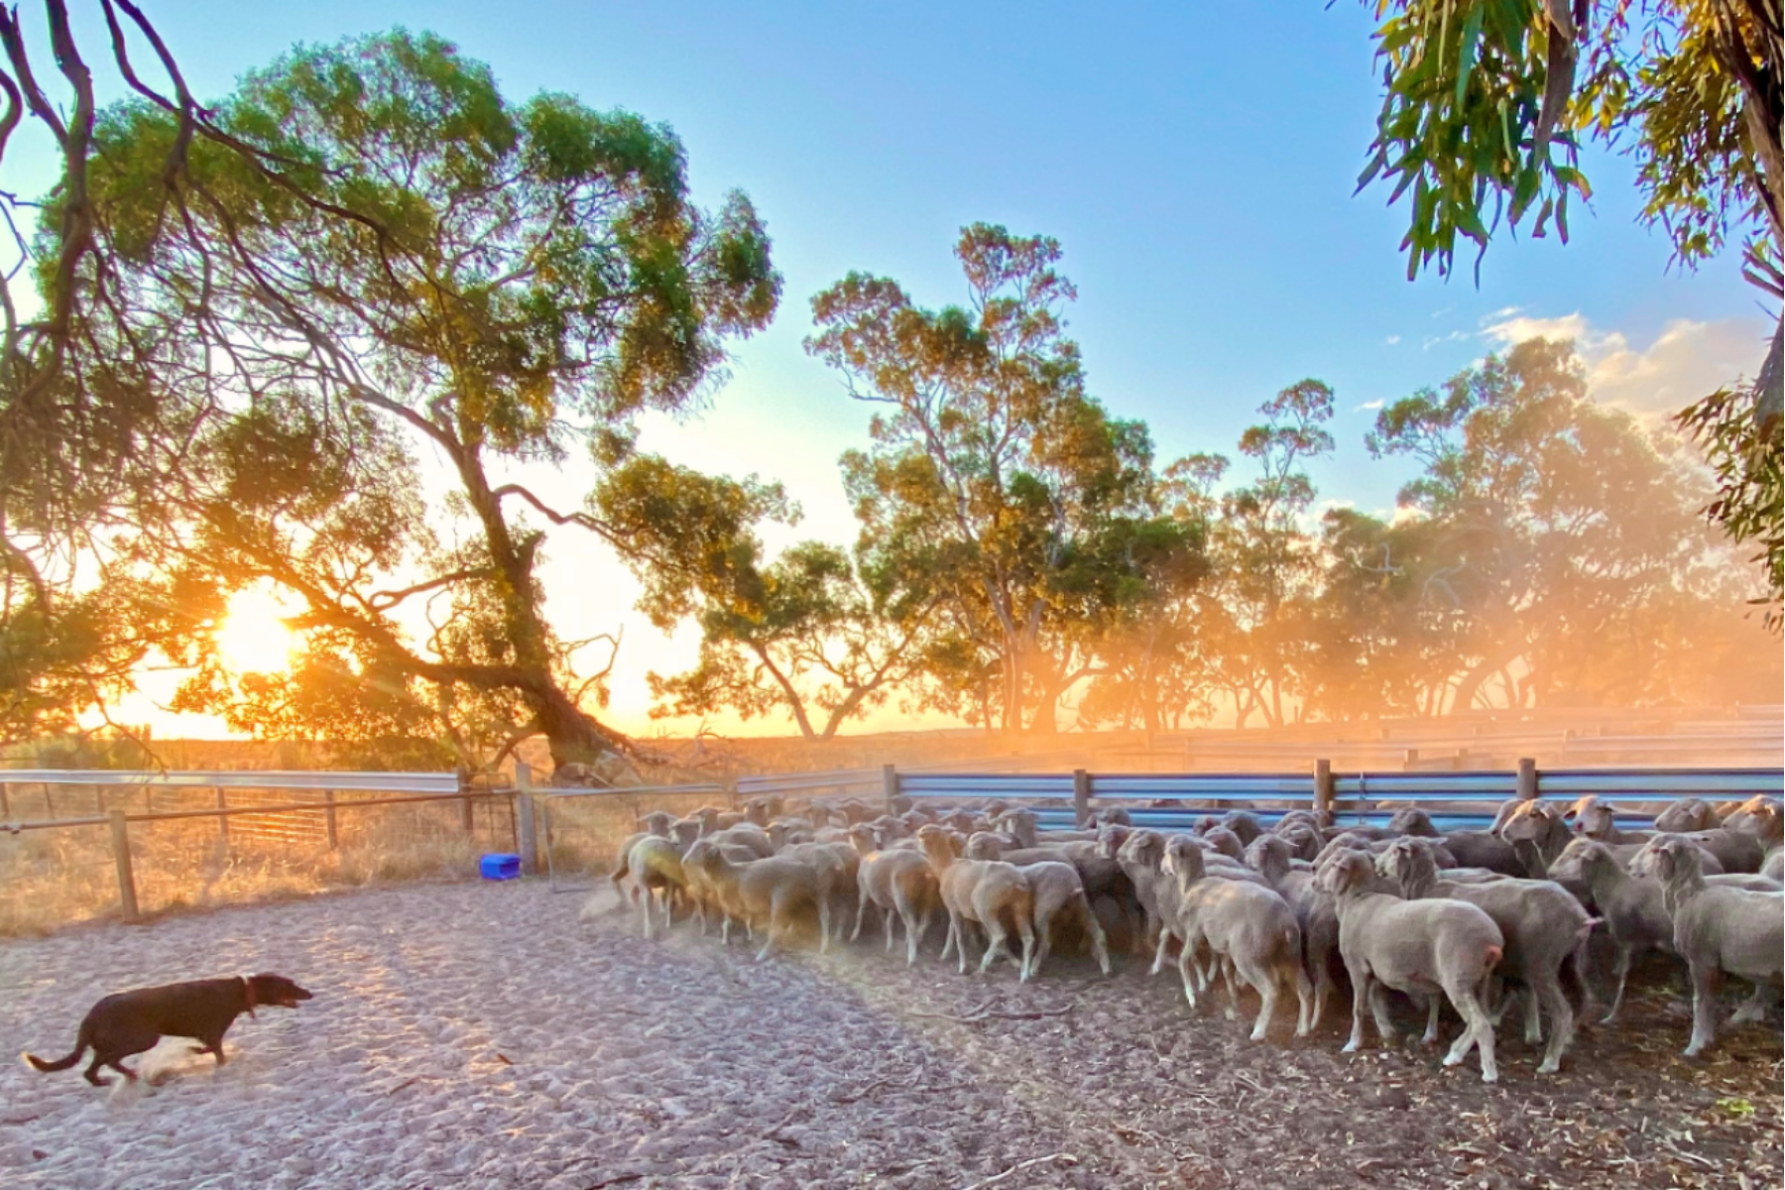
(46, 1067)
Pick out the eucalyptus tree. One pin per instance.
(990, 460)
(434, 273)
(1485, 105)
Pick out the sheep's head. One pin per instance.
(1344, 871)
(1143, 847)
(1668, 857)
(1304, 841)
(658, 822)
(1115, 816)
(1110, 839)
(1269, 855)
(1226, 842)
(1580, 859)
(1593, 818)
(1687, 814)
(984, 845)
(1183, 859)
(1411, 820)
(1530, 821)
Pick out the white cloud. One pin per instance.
(1503, 312)
(1684, 362)
(1392, 340)
(1376, 404)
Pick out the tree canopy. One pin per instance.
(501, 284)
(1485, 107)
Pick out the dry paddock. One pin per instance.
(470, 1035)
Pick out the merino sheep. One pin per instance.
(766, 893)
(1542, 924)
(900, 883)
(1059, 895)
(1315, 913)
(1719, 931)
(989, 893)
(1419, 947)
(1633, 910)
(1249, 926)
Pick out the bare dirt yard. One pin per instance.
(470, 1035)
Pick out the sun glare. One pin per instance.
(253, 637)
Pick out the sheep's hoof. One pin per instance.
(1258, 1035)
(1453, 1059)
(1230, 1014)
(1351, 1047)
(1550, 1068)
(1490, 1076)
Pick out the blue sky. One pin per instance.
(1197, 169)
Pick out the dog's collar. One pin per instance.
(248, 994)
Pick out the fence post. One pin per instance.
(526, 831)
(1323, 786)
(467, 818)
(889, 779)
(1410, 760)
(334, 837)
(1527, 779)
(1081, 797)
(121, 855)
(223, 819)
(5, 805)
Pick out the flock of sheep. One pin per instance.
(1478, 918)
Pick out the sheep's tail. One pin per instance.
(1586, 928)
(1494, 954)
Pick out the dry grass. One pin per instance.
(55, 878)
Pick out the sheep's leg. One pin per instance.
(1479, 1033)
(1304, 1000)
(1099, 944)
(1030, 962)
(1385, 1023)
(1225, 962)
(1561, 1022)
(1184, 974)
(1264, 982)
(1043, 928)
(1360, 995)
(1159, 954)
(1753, 1008)
(1704, 1008)
(645, 907)
(824, 921)
(1434, 1005)
(996, 941)
(1620, 973)
(777, 924)
(1533, 1015)
(948, 936)
(1323, 988)
(861, 907)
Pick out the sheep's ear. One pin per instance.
(1509, 810)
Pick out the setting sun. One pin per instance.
(253, 637)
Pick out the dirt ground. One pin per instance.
(472, 1035)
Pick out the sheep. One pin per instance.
(764, 893)
(656, 864)
(990, 893)
(834, 864)
(1141, 855)
(1760, 816)
(1419, 947)
(1595, 819)
(1541, 922)
(1314, 909)
(1640, 864)
(1226, 842)
(1633, 910)
(1250, 926)
(1467, 848)
(1719, 931)
(1536, 832)
(897, 882)
(1687, 814)
(1058, 889)
(656, 823)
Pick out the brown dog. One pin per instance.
(202, 1009)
